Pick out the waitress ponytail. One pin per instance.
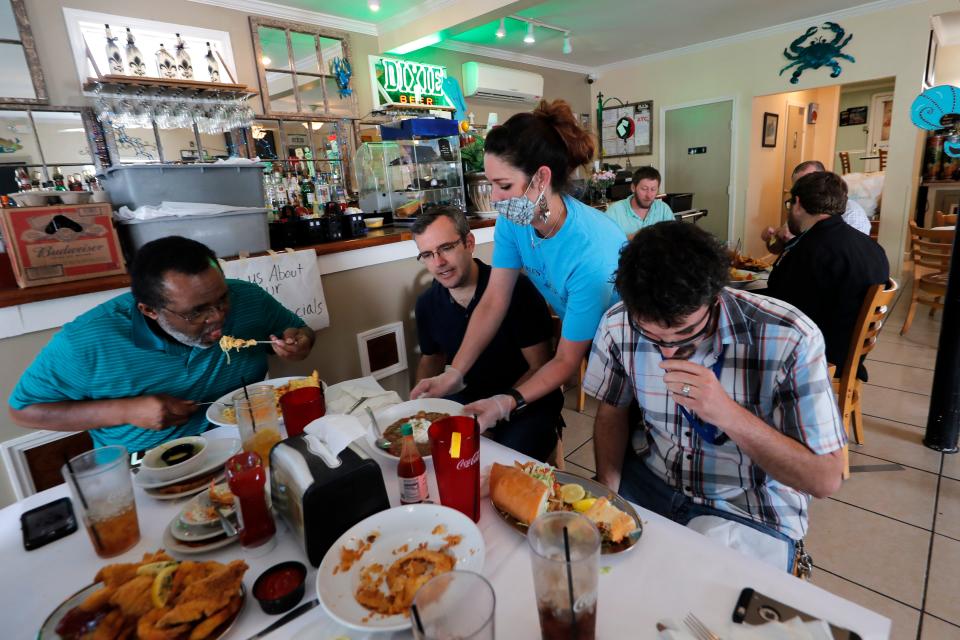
(579, 143)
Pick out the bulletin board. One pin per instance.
(639, 142)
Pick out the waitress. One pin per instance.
(569, 251)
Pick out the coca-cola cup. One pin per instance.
(455, 446)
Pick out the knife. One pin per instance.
(303, 608)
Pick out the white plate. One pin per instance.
(193, 514)
(185, 533)
(409, 525)
(215, 410)
(156, 495)
(386, 416)
(170, 543)
(219, 450)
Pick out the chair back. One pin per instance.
(883, 159)
(930, 249)
(844, 162)
(941, 219)
(876, 306)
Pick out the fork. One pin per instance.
(700, 630)
(356, 404)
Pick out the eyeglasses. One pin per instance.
(440, 251)
(686, 342)
(201, 314)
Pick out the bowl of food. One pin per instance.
(373, 223)
(281, 587)
(175, 459)
(75, 197)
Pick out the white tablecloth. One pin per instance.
(670, 572)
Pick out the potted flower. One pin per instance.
(478, 187)
(600, 181)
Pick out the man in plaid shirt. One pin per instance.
(740, 424)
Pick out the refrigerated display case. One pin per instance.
(398, 178)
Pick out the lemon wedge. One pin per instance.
(571, 493)
(153, 568)
(162, 585)
(582, 505)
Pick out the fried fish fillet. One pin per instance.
(208, 626)
(205, 597)
(147, 627)
(133, 597)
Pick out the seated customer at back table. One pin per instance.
(642, 208)
(740, 422)
(132, 370)
(826, 270)
(521, 345)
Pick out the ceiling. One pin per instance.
(603, 32)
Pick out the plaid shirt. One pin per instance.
(774, 366)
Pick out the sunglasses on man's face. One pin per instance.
(687, 346)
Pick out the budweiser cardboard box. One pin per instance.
(47, 245)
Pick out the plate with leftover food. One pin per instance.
(157, 597)
(201, 511)
(219, 450)
(221, 412)
(521, 492)
(419, 413)
(369, 576)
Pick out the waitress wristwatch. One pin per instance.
(519, 399)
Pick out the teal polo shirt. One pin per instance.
(629, 222)
(111, 352)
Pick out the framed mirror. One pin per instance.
(21, 78)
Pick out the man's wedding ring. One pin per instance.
(685, 390)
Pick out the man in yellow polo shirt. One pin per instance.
(641, 209)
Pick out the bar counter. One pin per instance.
(12, 295)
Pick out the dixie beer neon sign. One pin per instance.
(405, 83)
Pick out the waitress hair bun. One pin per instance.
(579, 143)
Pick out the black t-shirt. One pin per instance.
(442, 323)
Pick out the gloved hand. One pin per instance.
(490, 411)
(448, 382)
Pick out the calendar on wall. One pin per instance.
(627, 129)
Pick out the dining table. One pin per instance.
(671, 571)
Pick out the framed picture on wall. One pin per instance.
(768, 135)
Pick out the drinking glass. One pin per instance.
(458, 471)
(457, 604)
(99, 482)
(256, 411)
(300, 407)
(565, 581)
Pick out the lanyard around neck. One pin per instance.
(705, 430)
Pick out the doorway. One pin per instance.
(697, 158)
(792, 152)
(881, 111)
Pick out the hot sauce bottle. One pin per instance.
(411, 471)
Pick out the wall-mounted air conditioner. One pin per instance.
(490, 82)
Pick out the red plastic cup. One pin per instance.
(247, 480)
(300, 407)
(458, 473)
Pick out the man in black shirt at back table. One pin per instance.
(521, 345)
(826, 269)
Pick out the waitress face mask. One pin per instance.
(519, 209)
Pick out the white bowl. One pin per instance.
(160, 471)
(373, 223)
(75, 197)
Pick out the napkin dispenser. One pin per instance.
(320, 497)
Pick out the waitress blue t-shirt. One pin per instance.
(573, 270)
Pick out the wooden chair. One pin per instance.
(883, 159)
(941, 219)
(930, 253)
(844, 162)
(875, 228)
(876, 306)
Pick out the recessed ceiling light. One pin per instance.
(502, 30)
(266, 61)
(374, 5)
(529, 39)
(567, 49)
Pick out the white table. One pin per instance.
(670, 572)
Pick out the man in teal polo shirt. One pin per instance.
(642, 209)
(132, 370)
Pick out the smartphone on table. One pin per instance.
(47, 523)
(755, 608)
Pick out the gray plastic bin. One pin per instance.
(227, 234)
(150, 184)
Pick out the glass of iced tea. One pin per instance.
(565, 582)
(100, 484)
(257, 420)
(457, 604)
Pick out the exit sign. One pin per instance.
(405, 83)
(696, 151)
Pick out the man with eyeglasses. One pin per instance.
(132, 370)
(741, 425)
(521, 345)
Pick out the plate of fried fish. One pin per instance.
(157, 597)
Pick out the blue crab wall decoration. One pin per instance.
(341, 73)
(818, 53)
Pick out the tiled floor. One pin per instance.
(889, 539)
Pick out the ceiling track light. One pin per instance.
(502, 29)
(567, 48)
(373, 5)
(529, 39)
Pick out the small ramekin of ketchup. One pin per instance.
(280, 588)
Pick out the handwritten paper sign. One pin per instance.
(291, 277)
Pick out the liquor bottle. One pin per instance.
(134, 58)
(213, 68)
(166, 64)
(411, 471)
(58, 183)
(309, 196)
(36, 181)
(184, 65)
(23, 180)
(114, 59)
